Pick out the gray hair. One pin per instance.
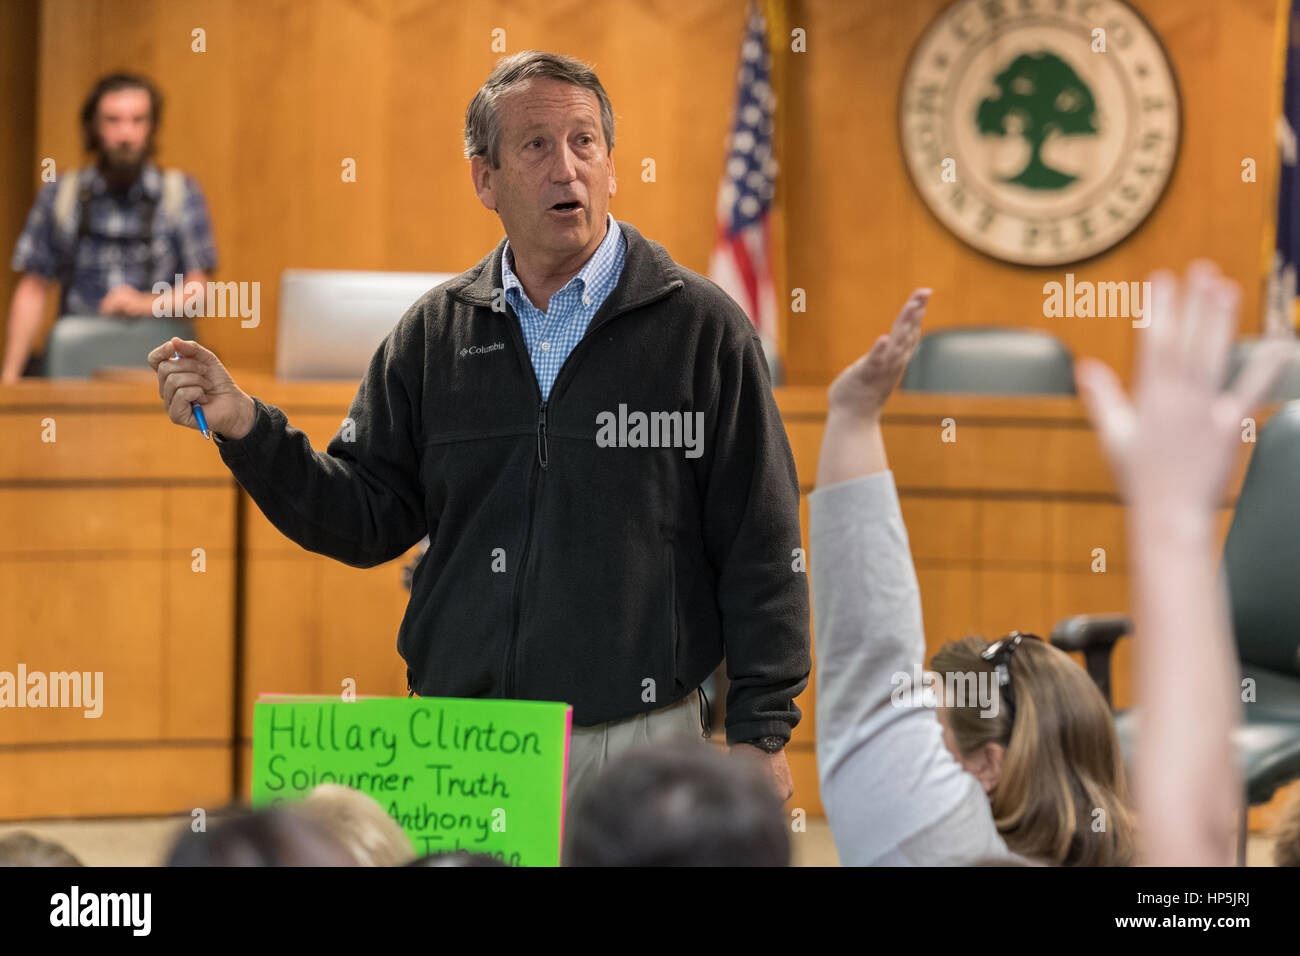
(483, 118)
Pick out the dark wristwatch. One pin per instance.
(768, 744)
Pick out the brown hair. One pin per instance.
(483, 119)
(265, 837)
(1062, 760)
(112, 83)
(1286, 851)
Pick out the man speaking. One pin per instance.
(586, 432)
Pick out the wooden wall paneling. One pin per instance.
(1080, 527)
(19, 22)
(285, 91)
(1010, 600)
(82, 612)
(885, 240)
(941, 528)
(1013, 532)
(197, 650)
(109, 585)
(1013, 566)
(949, 602)
(124, 781)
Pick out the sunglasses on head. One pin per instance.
(999, 655)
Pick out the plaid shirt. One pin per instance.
(126, 239)
(551, 335)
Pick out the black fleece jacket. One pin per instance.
(562, 565)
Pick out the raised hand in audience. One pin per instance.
(1172, 447)
(852, 445)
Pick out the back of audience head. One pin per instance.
(270, 837)
(358, 822)
(1051, 764)
(1000, 862)
(27, 849)
(458, 858)
(680, 805)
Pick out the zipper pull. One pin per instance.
(541, 436)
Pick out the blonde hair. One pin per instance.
(27, 849)
(358, 822)
(1062, 762)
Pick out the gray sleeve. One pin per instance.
(892, 792)
(963, 836)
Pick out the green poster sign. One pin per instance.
(458, 774)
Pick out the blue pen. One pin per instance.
(198, 412)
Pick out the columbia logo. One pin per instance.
(481, 349)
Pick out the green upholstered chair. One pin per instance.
(78, 345)
(1287, 386)
(990, 361)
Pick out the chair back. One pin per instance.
(80, 344)
(991, 361)
(1287, 386)
(1261, 558)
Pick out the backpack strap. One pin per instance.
(173, 195)
(65, 199)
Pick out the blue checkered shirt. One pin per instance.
(551, 335)
(127, 239)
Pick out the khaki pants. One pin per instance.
(591, 749)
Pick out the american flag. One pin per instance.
(741, 262)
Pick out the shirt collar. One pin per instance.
(648, 275)
(603, 254)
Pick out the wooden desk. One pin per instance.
(117, 556)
